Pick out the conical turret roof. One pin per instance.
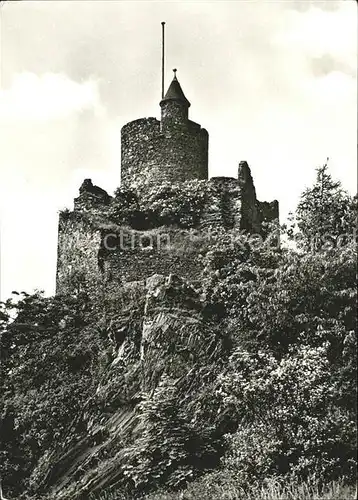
(175, 92)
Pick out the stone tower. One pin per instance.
(108, 241)
(174, 108)
(172, 149)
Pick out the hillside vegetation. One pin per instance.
(239, 385)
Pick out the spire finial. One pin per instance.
(163, 24)
(175, 72)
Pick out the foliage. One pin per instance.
(326, 215)
(49, 356)
(288, 418)
(223, 485)
(250, 372)
(178, 204)
(124, 208)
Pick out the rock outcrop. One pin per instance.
(172, 336)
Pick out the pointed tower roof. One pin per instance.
(175, 92)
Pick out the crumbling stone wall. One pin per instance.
(223, 206)
(95, 251)
(92, 199)
(268, 211)
(232, 203)
(77, 255)
(127, 255)
(249, 207)
(97, 257)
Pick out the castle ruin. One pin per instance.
(102, 241)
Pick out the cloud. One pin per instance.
(50, 127)
(305, 5)
(317, 32)
(46, 97)
(326, 64)
(273, 83)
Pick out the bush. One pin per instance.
(288, 417)
(178, 204)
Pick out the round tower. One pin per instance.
(174, 149)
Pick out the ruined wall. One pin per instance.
(96, 251)
(151, 156)
(232, 203)
(268, 211)
(92, 199)
(77, 255)
(223, 206)
(96, 257)
(128, 255)
(250, 220)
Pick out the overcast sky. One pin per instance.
(273, 82)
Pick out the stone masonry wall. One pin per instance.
(232, 203)
(94, 252)
(77, 255)
(223, 207)
(127, 255)
(150, 156)
(94, 257)
(250, 220)
(92, 199)
(173, 116)
(268, 211)
(137, 149)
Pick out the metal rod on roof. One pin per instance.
(163, 23)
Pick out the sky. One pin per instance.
(273, 82)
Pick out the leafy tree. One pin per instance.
(325, 213)
(261, 357)
(288, 418)
(49, 357)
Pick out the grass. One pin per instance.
(218, 487)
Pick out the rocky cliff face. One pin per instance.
(143, 260)
(162, 330)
